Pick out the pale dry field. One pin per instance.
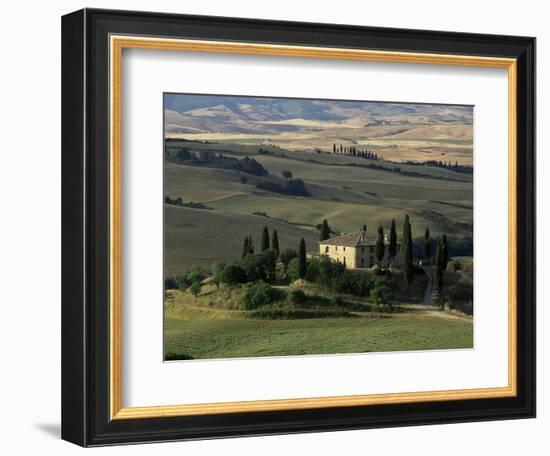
(397, 143)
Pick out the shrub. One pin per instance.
(195, 205)
(233, 273)
(287, 255)
(331, 273)
(295, 187)
(334, 277)
(260, 266)
(457, 266)
(196, 273)
(293, 269)
(217, 271)
(359, 283)
(170, 283)
(195, 288)
(257, 295)
(462, 290)
(175, 202)
(296, 297)
(380, 292)
(336, 301)
(312, 270)
(183, 282)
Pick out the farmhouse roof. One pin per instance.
(354, 239)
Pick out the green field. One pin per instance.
(242, 338)
(213, 325)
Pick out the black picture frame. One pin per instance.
(85, 224)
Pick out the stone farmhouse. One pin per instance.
(357, 250)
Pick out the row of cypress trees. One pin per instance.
(352, 150)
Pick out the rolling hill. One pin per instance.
(401, 131)
(348, 196)
(200, 236)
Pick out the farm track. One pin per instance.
(428, 293)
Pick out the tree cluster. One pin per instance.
(209, 158)
(334, 277)
(465, 169)
(294, 187)
(189, 280)
(179, 202)
(263, 265)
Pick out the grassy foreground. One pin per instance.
(207, 339)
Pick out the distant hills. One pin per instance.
(208, 114)
(396, 131)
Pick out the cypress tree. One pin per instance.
(392, 248)
(302, 260)
(265, 239)
(380, 247)
(427, 245)
(334, 148)
(275, 242)
(407, 253)
(246, 247)
(250, 245)
(438, 281)
(444, 252)
(325, 231)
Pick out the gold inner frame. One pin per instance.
(117, 44)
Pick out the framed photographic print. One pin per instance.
(277, 227)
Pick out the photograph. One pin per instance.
(268, 226)
(315, 227)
